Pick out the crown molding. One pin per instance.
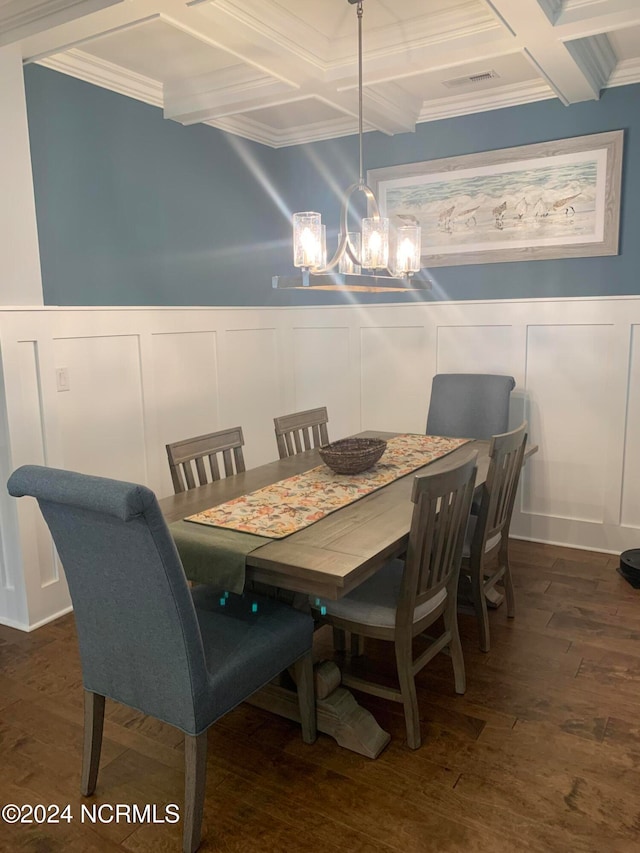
(257, 132)
(105, 74)
(596, 59)
(395, 103)
(512, 95)
(625, 73)
(572, 5)
(22, 18)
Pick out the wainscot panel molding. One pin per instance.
(103, 390)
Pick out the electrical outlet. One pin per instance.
(62, 379)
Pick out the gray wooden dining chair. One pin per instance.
(205, 449)
(301, 431)
(469, 405)
(485, 560)
(145, 639)
(405, 598)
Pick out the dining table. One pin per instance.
(325, 560)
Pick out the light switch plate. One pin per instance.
(62, 379)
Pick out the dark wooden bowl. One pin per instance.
(352, 455)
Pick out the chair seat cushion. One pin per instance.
(468, 539)
(375, 601)
(247, 642)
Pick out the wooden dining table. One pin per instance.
(328, 559)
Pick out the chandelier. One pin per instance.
(392, 263)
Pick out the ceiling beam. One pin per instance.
(569, 73)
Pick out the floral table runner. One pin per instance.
(285, 507)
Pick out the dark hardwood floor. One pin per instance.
(541, 754)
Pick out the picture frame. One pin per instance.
(549, 200)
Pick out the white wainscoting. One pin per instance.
(139, 378)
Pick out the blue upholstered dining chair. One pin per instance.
(406, 597)
(469, 405)
(184, 657)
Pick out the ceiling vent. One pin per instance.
(471, 79)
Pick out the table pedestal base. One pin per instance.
(339, 715)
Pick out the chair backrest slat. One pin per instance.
(202, 471)
(228, 462)
(301, 431)
(181, 454)
(442, 503)
(188, 474)
(506, 454)
(215, 468)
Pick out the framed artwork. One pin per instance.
(556, 199)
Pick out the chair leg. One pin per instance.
(508, 584)
(303, 672)
(455, 647)
(195, 777)
(480, 606)
(93, 726)
(409, 696)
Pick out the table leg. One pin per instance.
(339, 715)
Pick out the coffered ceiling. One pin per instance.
(282, 72)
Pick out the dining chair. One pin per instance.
(184, 657)
(301, 431)
(485, 559)
(469, 405)
(182, 454)
(405, 598)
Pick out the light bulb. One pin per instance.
(408, 249)
(309, 247)
(375, 242)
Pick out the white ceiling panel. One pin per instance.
(160, 51)
(626, 43)
(470, 77)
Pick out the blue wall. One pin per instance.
(136, 210)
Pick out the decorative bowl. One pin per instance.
(352, 455)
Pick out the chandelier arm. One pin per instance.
(343, 240)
